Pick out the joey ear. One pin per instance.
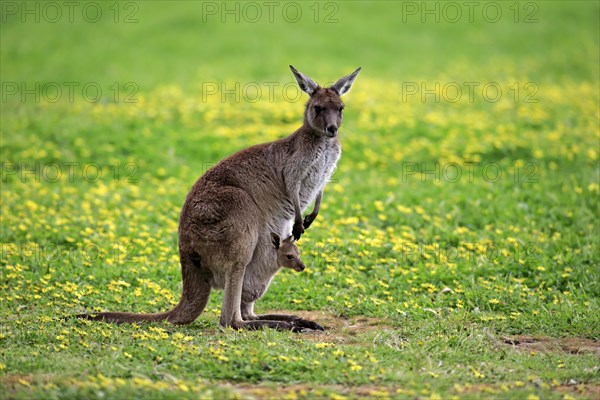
(306, 84)
(290, 239)
(344, 84)
(275, 240)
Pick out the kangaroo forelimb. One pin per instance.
(309, 219)
(294, 195)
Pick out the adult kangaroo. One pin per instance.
(229, 214)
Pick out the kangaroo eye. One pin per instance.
(289, 257)
(318, 109)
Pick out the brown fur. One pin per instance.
(226, 222)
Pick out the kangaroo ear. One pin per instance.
(306, 84)
(275, 240)
(344, 84)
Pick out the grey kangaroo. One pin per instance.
(228, 215)
(285, 254)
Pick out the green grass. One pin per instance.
(422, 278)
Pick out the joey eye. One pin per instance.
(289, 257)
(318, 109)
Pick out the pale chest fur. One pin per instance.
(319, 169)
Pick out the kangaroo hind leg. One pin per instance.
(231, 313)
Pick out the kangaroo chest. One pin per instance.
(319, 169)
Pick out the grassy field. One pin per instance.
(456, 253)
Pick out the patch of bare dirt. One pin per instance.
(11, 382)
(310, 391)
(570, 345)
(316, 391)
(339, 329)
(587, 390)
(14, 379)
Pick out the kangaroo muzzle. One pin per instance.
(332, 130)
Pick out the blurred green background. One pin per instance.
(156, 42)
(436, 323)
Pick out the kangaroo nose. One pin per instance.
(332, 129)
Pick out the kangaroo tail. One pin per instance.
(124, 317)
(196, 291)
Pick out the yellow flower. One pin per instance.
(403, 210)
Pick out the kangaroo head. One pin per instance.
(288, 255)
(324, 108)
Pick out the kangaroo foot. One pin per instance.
(294, 325)
(294, 320)
(307, 324)
(258, 324)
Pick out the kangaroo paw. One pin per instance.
(308, 220)
(298, 230)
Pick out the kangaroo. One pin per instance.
(224, 226)
(286, 255)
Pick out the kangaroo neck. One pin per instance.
(310, 133)
(306, 128)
